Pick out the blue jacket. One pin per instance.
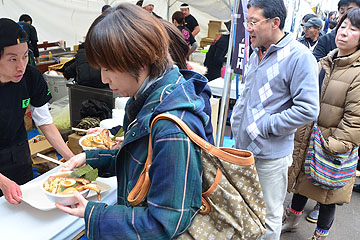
(175, 193)
(281, 93)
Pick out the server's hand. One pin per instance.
(10, 189)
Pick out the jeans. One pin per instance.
(326, 211)
(273, 176)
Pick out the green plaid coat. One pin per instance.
(175, 194)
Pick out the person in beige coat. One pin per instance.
(339, 121)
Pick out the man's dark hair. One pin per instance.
(354, 17)
(308, 16)
(357, 2)
(25, 18)
(271, 9)
(179, 17)
(342, 3)
(139, 3)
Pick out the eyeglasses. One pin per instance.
(306, 28)
(251, 25)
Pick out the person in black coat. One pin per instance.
(80, 69)
(215, 57)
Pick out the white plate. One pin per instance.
(32, 195)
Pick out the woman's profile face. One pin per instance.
(123, 82)
(347, 37)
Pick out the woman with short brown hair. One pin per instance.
(131, 48)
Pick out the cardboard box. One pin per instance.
(73, 143)
(39, 144)
(213, 29)
(206, 41)
(215, 103)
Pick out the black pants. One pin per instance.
(16, 164)
(326, 212)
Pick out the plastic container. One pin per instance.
(56, 84)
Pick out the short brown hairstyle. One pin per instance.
(179, 17)
(127, 38)
(178, 47)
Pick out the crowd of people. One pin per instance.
(290, 84)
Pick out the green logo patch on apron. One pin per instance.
(25, 103)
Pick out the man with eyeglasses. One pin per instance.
(312, 30)
(326, 43)
(281, 93)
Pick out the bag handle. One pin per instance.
(235, 156)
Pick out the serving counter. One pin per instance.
(217, 86)
(26, 222)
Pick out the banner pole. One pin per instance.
(224, 107)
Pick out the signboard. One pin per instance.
(241, 41)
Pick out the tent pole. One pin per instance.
(224, 107)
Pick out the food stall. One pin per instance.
(41, 221)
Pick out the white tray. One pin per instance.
(32, 195)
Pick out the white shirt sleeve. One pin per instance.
(41, 115)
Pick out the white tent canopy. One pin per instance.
(69, 20)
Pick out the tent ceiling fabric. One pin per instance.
(69, 20)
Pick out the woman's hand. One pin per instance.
(94, 130)
(78, 210)
(74, 162)
(11, 190)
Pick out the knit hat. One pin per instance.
(148, 2)
(11, 33)
(315, 21)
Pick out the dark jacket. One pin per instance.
(325, 44)
(82, 72)
(215, 57)
(306, 41)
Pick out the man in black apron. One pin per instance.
(21, 85)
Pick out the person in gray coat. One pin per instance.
(281, 93)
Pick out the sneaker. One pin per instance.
(318, 236)
(314, 214)
(290, 221)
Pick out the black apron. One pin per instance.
(16, 164)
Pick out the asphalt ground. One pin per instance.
(346, 225)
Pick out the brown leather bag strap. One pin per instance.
(240, 157)
(236, 156)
